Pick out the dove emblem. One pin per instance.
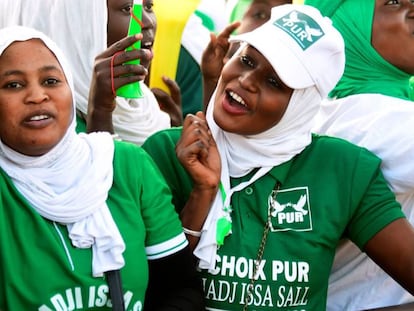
(302, 28)
(291, 210)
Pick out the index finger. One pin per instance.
(121, 45)
(174, 89)
(228, 30)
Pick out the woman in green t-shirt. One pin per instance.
(86, 222)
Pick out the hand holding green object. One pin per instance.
(133, 90)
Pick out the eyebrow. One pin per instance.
(42, 69)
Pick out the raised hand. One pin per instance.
(110, 72)
(213, 60)
(197, 152)
(170, 104)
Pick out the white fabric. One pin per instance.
(79, 28)
(195, 37)
(135, 119)
(70, 183)
(241, 154)
(216, 10)
(298, 39)
(384, 125)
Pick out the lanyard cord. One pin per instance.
(113, 278)
(249, 295)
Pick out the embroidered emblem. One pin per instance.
(291, 210)
(301, 27)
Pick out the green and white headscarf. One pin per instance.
(365, 70)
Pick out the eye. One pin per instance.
(245, 60)
(13, 85)
(148, 5)
(51, 81)
(392, 2)
(261, 15)
(274, 82)
(126, 9)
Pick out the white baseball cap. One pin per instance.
(303, 47)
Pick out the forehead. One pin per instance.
(270, 3)
(118, 3)
(27, 53)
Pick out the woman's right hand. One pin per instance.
(213, 57)
(213, 60)
(110, 73)
(197, 152)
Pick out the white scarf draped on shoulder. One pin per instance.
(242, 154)
(70, 183)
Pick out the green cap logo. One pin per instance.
(301, 27)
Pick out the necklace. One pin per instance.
(260, 253)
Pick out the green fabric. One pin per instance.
(327, 7)
(239, 10)
(41, 270)
(206, 20)
(347, 197)
(189, 79)
(80, 124)
(365, 70)
(181, 188)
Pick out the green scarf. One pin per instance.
(365, 70)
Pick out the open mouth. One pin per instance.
(147, 45)
(235, 99)
(38, 118)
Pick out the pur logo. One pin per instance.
(289, 209)
(301, 27)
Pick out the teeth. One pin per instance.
(237, 98)
(38, 118)
(147, 44)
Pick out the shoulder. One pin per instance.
(336, 145)
(171, 135)
(123, 148)
(340, 151)
(163, 141)
(130, 159)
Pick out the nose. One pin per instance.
(410, 9)
(36, 94)
(248, 81)
(148, 20)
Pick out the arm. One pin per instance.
(101, 102)
(213, 60)
(177, 288)
(197, 152)
(392, 249)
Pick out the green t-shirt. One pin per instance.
(80, 124)
(332, 190)
(189, 78)
(41, 270)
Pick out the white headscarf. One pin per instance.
(241, 154)
(70, 183)
(79, 28)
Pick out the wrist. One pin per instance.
(99, 120)
(193, 233)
